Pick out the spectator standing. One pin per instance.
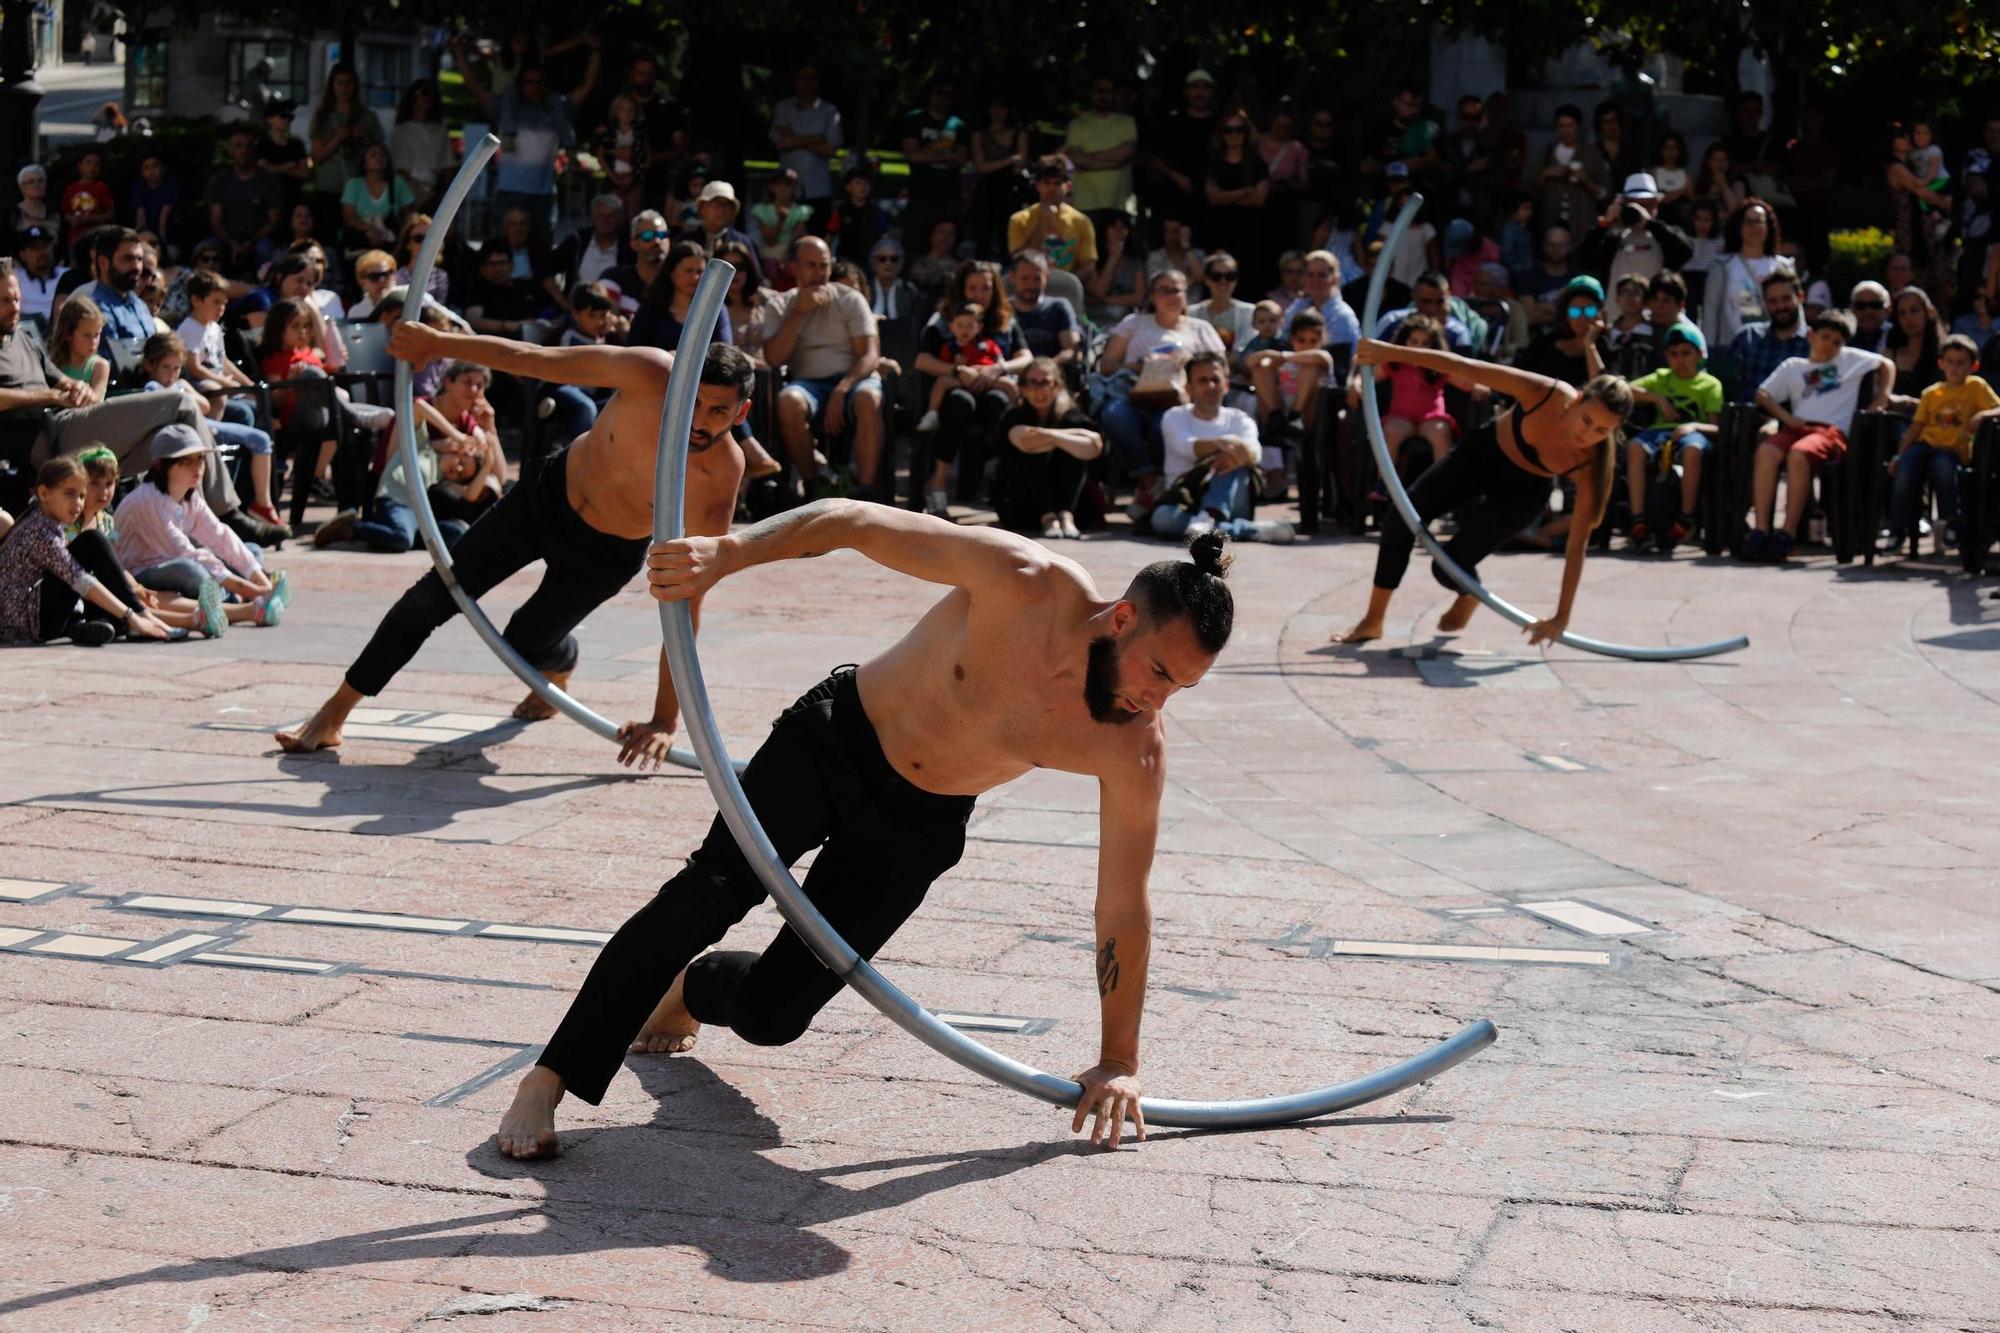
(419, 145)
(1327, 187)
(156, 201)
(1236, 189)
(87, 202)
(1471, 162)
(1719, 183)
(1811, 169)
(806, 130)
(281, 155)
(857, 221)
(243, 206)
(1178, 162)
(1915, 203)
(663, 120)
(934, 142)
(1510, 145)
(342, 127)
(1733, 295)
(1061, 232)
(1671, 175)
(534, 125)
(1631, 239)
(1100, 142)
(1406, 135)
(622, 149)
(1573, 175)
(1753, 150)
(999, 174)
(1621, 154)
(781, 218)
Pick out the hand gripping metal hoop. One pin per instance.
(677, 629)
(406, 439)
(1385, 465)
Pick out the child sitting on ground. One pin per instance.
(1287, 387)
(206, 612)
(165, 366)
(41, 576)
(1688, 400)
(73, 346)
(969, 347)
(173, 542)
(1949, 415)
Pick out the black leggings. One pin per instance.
(965, 420)
(1494, 498)
(59, 612)
(1027, 486)
(819, 780)
(532, 522)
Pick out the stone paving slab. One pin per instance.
(1775, 1110)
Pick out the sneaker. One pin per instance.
(936, 505)
(1069, 528)
(1781, 547)
(255, 530)
(1677, 532)
(1275, 531)
(1052, 529)
(1640, 533)
(928, 424)
(214, 618)
(92, 633)
(281, 588)
(1947, 538)
(339, 528)
(1889, 542)
(1755, 543)
(269, 613)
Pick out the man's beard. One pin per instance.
(699, 441)
(1789, 322)
(124, 280)
(1100, 676)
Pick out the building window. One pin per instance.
(147, 56)
(385, 72)
(257, 69)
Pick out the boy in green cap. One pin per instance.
(1687, 400)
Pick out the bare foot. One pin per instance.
(535, 708)
(317, 734)
(672, 1029)
(528, 1130)
(1459, 614)
(1364, 630)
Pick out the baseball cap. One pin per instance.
(716, 190)
(36, 235)
(174, 440)
(1586, 284)
(1399, 171)
(1641, 185)
(1685, 333)
(1200, 76)
(1457, 235)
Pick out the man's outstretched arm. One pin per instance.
(915, 544)
(602, 367)
(1128, 828)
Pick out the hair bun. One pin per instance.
(1210, 553)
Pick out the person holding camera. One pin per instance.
(1631, 239)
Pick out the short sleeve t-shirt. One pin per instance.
(1180, 428)
(1824, 392)
(1697, 399)
(1102, 187)
(82, 199)
(1145, 337)
(935, 338)
(933, 179)
(825, 345)
(1945, 414)
(1070, 240)
(203, 341)
(1043, 327)
(367, 206)
(246, 204)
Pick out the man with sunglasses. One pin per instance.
(649, 256)
(1870, 304)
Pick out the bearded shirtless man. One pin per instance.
(1022, 665)
(588, 514)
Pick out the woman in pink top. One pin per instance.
(173, 542)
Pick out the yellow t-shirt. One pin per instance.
(1103, 187)
(1070, 242)
(1946, 414)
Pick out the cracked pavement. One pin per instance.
(1776, 1110)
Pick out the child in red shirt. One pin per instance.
(87, 201)
(969, 346)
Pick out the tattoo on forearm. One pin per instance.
(1107, 967)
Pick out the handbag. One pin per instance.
(1162, 382)
(1185, 491)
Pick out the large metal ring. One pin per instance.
(1385, 464)
(406, 439)
(677, 629)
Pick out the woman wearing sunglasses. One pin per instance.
(1497, 479)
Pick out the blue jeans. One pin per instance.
(184, 577)
(1228, 494)
(239, 410)
(247, 439)
(575, 412)
(1134, 433)
(391, 528)
(1919, 461)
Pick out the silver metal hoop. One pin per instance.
(1385, 465)
(406, 439)
(677, 630)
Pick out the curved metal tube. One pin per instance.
(1385, 465)
(406, 439)
(677, 629)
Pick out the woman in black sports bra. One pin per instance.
(1498, 478)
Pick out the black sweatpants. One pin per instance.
(532, 522)
(1494, 497)
(60, 609)
(819, 780)
(1027, 486)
